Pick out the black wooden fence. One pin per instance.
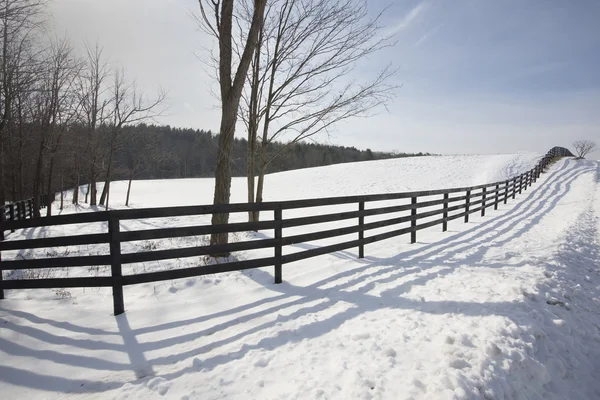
(19, 210)
(16, 211)
(443, 205)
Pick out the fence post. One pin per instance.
(468, 203)
(497, 194)
(11, 210)
(1, 276)
(2, 217)
(30, 202)
(520, 183)
(530, 177)
(483, 202)
(278, 246)
(514, 188)
(445, 224)
(115, 264)
(361, 232)
(413, 221)
(505, 192)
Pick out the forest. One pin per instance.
(70, 117)
(155, 152)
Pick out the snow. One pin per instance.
(367, 177)
(504, 307)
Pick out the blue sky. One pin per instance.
(478, 76)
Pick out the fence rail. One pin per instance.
(456, 203)
(19, 210)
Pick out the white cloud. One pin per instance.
(406, 20)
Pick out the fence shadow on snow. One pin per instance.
(351, 287)
(457, 203)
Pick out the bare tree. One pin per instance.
(129, 107)
(584, 147)
(92, 91)
(218, 19)
(300, 83)
(55, 108)
(18, 19)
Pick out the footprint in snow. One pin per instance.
(492, 349)
(390, 353)
(262, 362)
(161, 385)
(459, 363)
(142, 371)
(361, 336)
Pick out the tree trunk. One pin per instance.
(15, 179)
(2, 194)
(49, 192)
(20, 174)
(92, 191)
(251, 167)
(62, 187)
(259, 190)
(129, 188)
(253, 120)
(231, 91)
(106, 189)
(103, 194)
(250, 173)
(76, 190)
(87, 192)
(37, 183)
(262, 163)
(223, 168)
(20, 155)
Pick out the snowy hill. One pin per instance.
(367, 177)
(505, 307)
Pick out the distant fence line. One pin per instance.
(19, 210)
(454, 204)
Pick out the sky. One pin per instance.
(476, 76)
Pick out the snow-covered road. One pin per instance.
(505, 307)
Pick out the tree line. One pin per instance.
(189, 153)
(160, 152)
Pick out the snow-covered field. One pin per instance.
(505, 307)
